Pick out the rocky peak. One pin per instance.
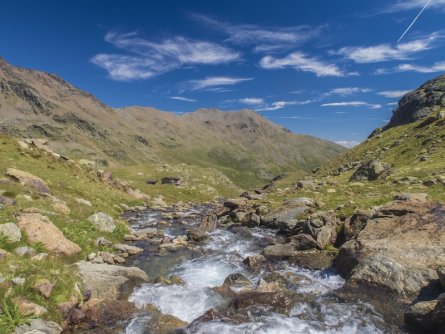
(420, 103)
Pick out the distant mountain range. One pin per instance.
(243, 144)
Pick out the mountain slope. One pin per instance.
(244, 145)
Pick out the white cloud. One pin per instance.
(181, 98)
(301, 62)
(213, 82)
(414, 4)
(348, 143)
(277, 105)
(344, 91)
(252, 101)
(434, 68)
(145, 58)
(394, 94)
(264, 39)
(386, 52)
(352, 104)
(392, 104)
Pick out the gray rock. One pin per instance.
(24, 251)
(102, 222)
(37, 326)
(304, 242)
(11, 232)
(110, 281)
(276, 252)
(371, 170)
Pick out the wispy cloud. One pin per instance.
(434, 68)
(212, 83)
(394, 94)
(301, 62)
(392, 104)
(387, 52)
(144, 59)
(254, 101)
(348, 143)
(402, 5)
(277, 105)
(352, 104)
(181, 98)
(346, 91)
(263, 39)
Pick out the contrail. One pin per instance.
(414, 21)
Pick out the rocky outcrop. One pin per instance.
(39, 229)
(420, 103)
(398, 251)
(28, 180)
(110, 281)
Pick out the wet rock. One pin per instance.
(172, 280)
(254, 261)
(196, 236)
(43, 287)
(279, 252)
(162, 323)
(208, 224)
(39, 229)
(11, 232)
(371, 170)
(419, 317)
(28, 180)
(280, 300)
(102, 222)
(237, 280)
(110, 281)
(108, 312)
(314, 260)
(37, 326)
(304, 242)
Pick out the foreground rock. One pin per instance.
(39, 229)
(28, 180)
(110, 281)
(397, 253)
(11, 232)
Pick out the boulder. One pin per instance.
(102, 222)
(371, 170)
(208, 224)
(131, 250)
(254, 261)
(312, 259)
(107, 312)
(234, 203)
(237, 280)
(278, 252)
(28, 180)
(37, 326)
(398, 251)
(61, 208)
(304, 242)
(39, 229)
(11, 232)
(110, 281)
(176, 180)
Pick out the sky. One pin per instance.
(331, 69)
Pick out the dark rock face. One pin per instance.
(171, 180)
(421, 103)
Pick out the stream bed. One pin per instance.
(205, 267)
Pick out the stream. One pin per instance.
(205, 267)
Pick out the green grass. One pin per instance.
(10, 317)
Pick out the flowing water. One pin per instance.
(207, 266)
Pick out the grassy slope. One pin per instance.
(66, 182)
(401, 147)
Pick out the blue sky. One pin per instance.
(332, 69)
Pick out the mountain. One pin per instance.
(244, 145)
